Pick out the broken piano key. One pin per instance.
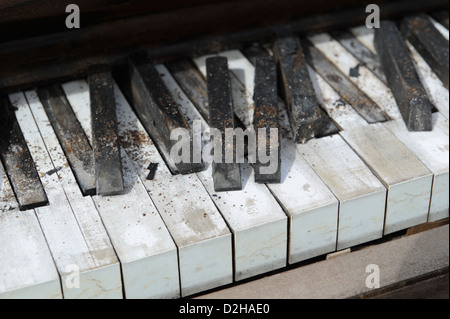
(412, 99)
(70, 135)
(226, 176)
(158, 110)
(307, 118)
(266, 121)
(429, 42)
(107, 160)
(18, 162)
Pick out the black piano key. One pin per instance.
(157, 109)
(361, 52)
(402, 77)
(226, 176)
(306, 117)
(429, 42)
(71, 136)
(266, 116)
(192, 83)
(107, 159)
(18, 162)
(368, 109)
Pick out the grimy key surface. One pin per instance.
(429, 42)
(266, 116)
(71, 136)
(368, 109)
(412, 99)
(306, 117)
(226, 176)
(192, 83)
(16, 158)
(157, 108)
(107, 160)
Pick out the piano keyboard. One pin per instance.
(173, 235)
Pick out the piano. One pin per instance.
(93, 206)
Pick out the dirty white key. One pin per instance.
(361, 195)
(202, 236)
(309, 203)
(407, 179)
(83, 208)
(347, 119)
(80, 268)
(256, 219)
(27, 270)
(432, 149)
(366, 36)
(142, 242)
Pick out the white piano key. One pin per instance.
(83, 207)
(27, 268)
(338, 109)
(366, 36)
(361, 195)
(203, 239)
(407, 179)
(312, 208)
(82, 269)
(432, 148)
(257, 221)
(145, 248)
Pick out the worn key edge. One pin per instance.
(157, 109)
(102, 92)
(412, 99)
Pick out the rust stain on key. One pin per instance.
(18, 162)
(412, 99)
(307, 118)
(71, 136)
(226, 176)
(107, 160)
